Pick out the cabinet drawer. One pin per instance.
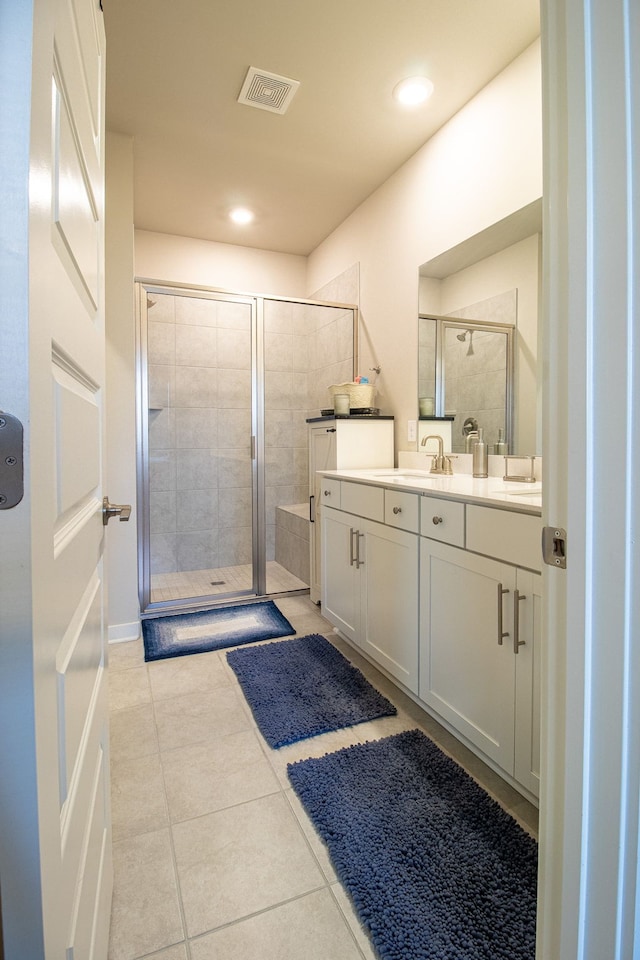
(442, 520)
(329, 492)
(363, 500)
(402, 510)
(513, 537)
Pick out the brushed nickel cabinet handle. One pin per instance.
(517, 642)
(397, 510)
(501, 633)
(351, 556)
(436, 520)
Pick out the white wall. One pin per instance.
(121, 557)
(160, 256)
(478, 169)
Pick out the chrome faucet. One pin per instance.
(440, 463)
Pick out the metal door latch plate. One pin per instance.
(554, 546)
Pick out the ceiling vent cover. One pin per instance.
(267, 91)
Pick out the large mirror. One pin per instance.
(465, 378)
(492, 278)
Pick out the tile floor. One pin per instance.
(214, 857)
(204, 583)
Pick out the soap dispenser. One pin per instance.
(501, 447)
(480, 457)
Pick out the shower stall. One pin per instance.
(225, 384)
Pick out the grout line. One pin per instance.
(257, 913)
(183, 918)
(346, 920)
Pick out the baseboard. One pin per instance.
(119, 632)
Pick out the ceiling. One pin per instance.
(175, 70)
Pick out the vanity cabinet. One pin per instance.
(446, 597)
(370, 588)
(335, 444)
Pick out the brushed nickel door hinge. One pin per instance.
(11, 461)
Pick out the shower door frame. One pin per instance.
(143, 287)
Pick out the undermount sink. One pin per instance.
(533, 494)
(404, 476)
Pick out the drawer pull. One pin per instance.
(397, 510)
(501, 633)
(327, 493)
(436, 520)
(517, 642)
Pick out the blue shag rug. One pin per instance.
(186, 633)
(435, 868)
(304, 687)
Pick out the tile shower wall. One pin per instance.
(199, 372)
(426, 355)
(332, 346)
(476, 383)
(307, 347)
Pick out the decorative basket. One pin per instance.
(360, 394)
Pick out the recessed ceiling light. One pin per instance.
(241, 215)
(413, 91)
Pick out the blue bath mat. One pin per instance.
(185, 633)
(435, 868)
(304, 687)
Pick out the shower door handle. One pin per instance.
(312, 503)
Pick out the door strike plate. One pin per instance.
(11, 461)
(554, 546)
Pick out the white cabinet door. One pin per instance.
(340, 574)
(466, 674)
(337, 445)
(322, 456)
(527, 746)
(370, 589)
(390, 600)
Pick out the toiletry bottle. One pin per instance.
(480, 456)
(501, 447)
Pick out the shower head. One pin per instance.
(470, 348)
(462, 338)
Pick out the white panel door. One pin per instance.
(56, 887)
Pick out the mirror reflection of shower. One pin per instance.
(468, 366)
(462, 337)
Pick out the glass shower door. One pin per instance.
(198, 478)
(226, 384)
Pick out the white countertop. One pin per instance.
(492, 492)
